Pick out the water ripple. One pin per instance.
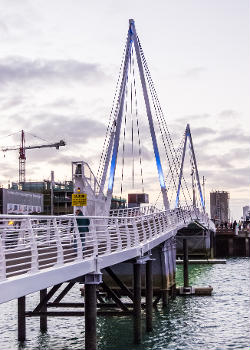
(219, 322)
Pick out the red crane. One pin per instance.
(22, 153)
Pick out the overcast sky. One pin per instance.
(59, 63)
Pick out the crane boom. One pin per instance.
(56, 145)
(22, 156)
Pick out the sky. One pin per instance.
(59, 64)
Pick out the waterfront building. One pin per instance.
(246, 212)
(219, 206)
(18, 202)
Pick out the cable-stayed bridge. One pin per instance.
(38, 252)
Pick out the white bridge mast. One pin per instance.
(102, 204)
(132, 39)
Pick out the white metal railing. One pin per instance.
(136, 211)
(31, 243)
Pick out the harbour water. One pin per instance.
(219, 322)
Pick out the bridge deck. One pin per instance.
(37, 251)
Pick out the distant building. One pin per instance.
(18, 202)
(118, 203)
(219, 206)
(61, 199)
(246, 212)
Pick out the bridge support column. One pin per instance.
(231, 247)
(185, 263)
(91, 281)
(212, 245)
(149, 296)
(247, 246)
(21, 319)
(43, 318)
(137, 303)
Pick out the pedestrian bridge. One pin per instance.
(37, 252)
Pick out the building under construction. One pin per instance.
(219, 206)
(61, 198)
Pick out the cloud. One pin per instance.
(76, 130)
(202, 131)
(228, 113)
(23, 70)
(61, 103)
(11, 102)
(232, 135)
(194, 72)
(223, 179)
(213, 161)
(3, 28)
(146, 154)
(192, 117)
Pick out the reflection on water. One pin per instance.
(220, 322)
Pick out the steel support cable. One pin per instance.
(156, 108)
(179, 154)
(167, 155)
(157, 103)
(132, 122)
(138, 129)
(198, 202)
(163, 121)
(113, 113)
(137, 120)
(124, 134)
(154, 95)
(192, 172)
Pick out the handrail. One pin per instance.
(30, 243)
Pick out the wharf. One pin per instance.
(227, 243)
(202, 261)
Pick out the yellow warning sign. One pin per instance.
(79, 199)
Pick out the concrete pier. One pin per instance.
(185, 263)
(149, 296)
(137, 303)
(43, 317)
(21, 319)
(90, 316)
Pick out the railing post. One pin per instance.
(48, 231)
(92, 230)
(118, 234)
(143, 230)
(159, 218)
(154, 222)
(136, 232)
(2, 261)
(33, 247)
(107, 236)
(149, 227)
(59, 247)
(77, 240)
(128, 233)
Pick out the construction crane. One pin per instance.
(22, 153)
